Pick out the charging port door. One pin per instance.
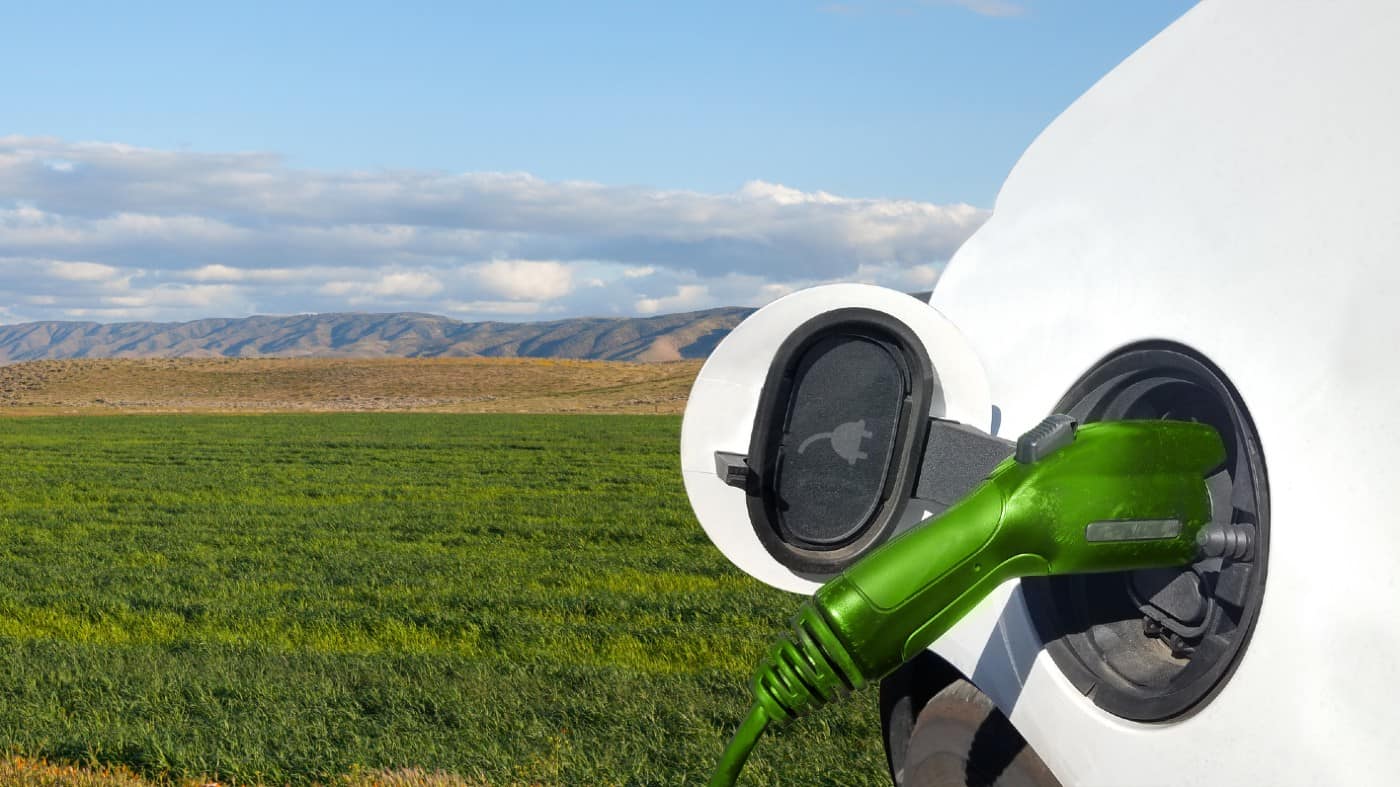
(843, 410)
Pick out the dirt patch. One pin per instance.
(482, 385)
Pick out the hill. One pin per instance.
(670, 337)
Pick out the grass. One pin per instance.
(19, 771)
(508, 599)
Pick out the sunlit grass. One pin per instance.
(19, 771)
(291, 599)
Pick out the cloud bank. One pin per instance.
(108, 232)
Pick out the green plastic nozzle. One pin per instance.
(1122, 495)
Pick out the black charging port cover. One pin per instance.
(843, 410)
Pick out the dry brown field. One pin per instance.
(266, 385)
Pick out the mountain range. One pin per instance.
(662, 338)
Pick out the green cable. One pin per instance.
(737, 753)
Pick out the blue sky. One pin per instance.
(514, 160)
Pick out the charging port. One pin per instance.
(1156, 645)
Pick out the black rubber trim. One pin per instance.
(921, 390)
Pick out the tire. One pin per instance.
(961, 740)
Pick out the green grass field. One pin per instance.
(285, 599)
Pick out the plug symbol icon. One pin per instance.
(846, 441)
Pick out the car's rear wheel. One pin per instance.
(961, 740)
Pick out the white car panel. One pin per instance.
(1233, 186)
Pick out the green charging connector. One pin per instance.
(1106, 497)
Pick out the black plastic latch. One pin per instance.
(1047, 437)
(956, 458)
(733, 469)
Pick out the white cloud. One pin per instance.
(83, 271)
(905, 277)
(512, 308)
(225, 273)
(406, 285)
(686, 298)
(339, 288)
(180, 295)
(538, 280)
(122, 221)
(218, 273)
(394, 286)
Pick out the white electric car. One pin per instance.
(1210, 233)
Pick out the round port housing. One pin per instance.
(1157, 645)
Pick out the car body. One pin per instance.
(1229, 191)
